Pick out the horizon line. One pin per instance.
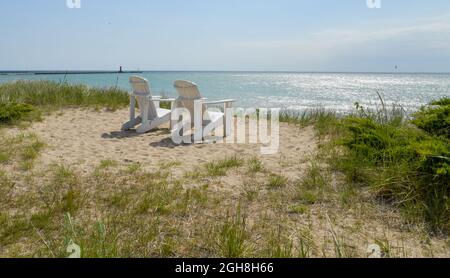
(218, 71)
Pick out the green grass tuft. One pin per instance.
(232, 237)
(220, 168)
(277, 181)
(108, 163)
(255, 165)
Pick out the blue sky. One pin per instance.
(262, 35)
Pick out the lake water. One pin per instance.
(337, 91)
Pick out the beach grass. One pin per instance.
(323, 120)
(232, 237)
(60, 95)
(24, 148)
(26, 100)
(406, 163)
(138, 215)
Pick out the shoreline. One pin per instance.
(2, 72)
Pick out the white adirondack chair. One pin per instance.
(151, 116)
(191, 99)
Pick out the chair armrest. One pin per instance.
(220, 101)
(137, 94)
(166, 100)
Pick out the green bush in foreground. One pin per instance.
(442, 101)
(10, 112)
(435, 119)
(403, 163)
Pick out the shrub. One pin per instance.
(10, 112)
(380, 144)
(442, 101)
(435, 118)
(403, 164)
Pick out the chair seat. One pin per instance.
(151, 116)
(214, 117)
(188, 94)
(162, 112)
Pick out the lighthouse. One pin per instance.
(120, 69)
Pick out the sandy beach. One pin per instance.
(82, 138)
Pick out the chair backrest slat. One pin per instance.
(188, 93)
(141, 87)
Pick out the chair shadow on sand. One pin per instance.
(132, 134)
(168, 143)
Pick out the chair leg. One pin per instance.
(133, 120)
(132, 123)
(144, 128)
(227, 119)
(145, 123)
(132, 108)
(198, 121)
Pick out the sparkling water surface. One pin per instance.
(336, 91)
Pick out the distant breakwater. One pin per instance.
(64, 72)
